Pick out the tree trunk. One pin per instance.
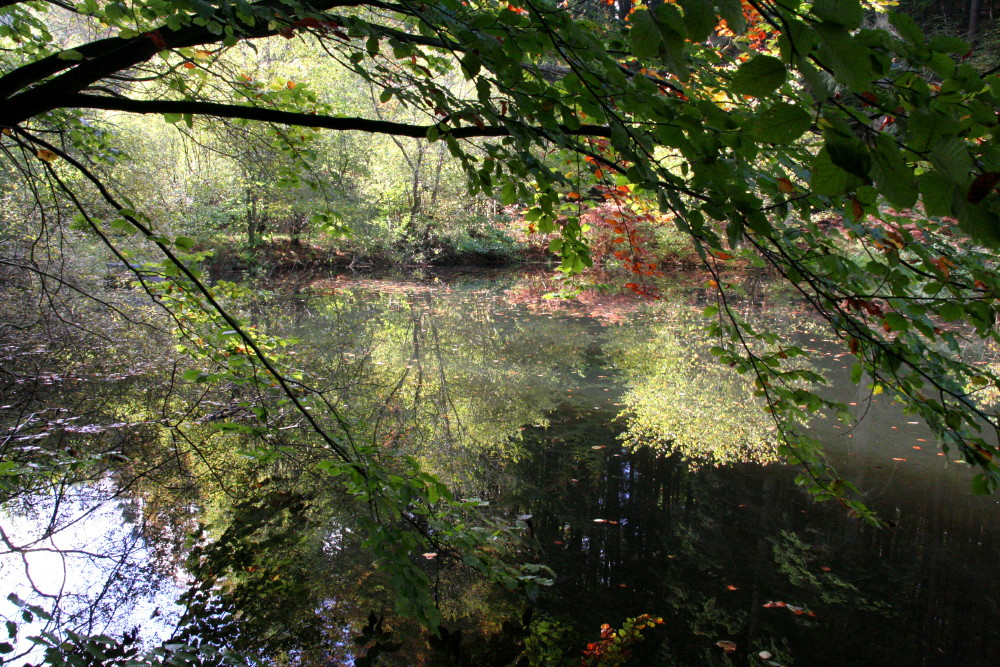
(252, 220)
(973, 19)
(624, 7)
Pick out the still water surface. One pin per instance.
(649, 476)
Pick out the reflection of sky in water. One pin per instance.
(80, 558)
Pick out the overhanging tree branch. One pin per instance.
(220, 110)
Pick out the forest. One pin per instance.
(185, 184)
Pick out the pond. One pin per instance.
(640, 472)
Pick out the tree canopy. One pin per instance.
(756, 127)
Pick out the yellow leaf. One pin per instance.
(46, 155)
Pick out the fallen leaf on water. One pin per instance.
(726, 645)
(897, 459)
(429, 554)
(825, 568)
(730, 587)
(775, 604)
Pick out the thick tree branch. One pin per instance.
(219, 110)
(105, 57)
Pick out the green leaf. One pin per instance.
(850, 155)
(981, 485)
(70, 54)
(184, 242)
(937, 194)
(827, 178)
(949, 44)
(857, 371)
(471, 64)
(848, 59)
(508, 195)
(172, 118)
(980, 221)
(732, 11)
(951, 311)
(894, 179)
(645, 36)
(906, 27)
(951, 156)
(670, 23)
(759, 76)
(699, 19)
(781, 124)
(848, 13)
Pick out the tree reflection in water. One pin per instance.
(530, 409)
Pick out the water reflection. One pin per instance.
(648, 474)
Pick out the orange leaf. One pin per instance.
(785, 185)
(188, 65)
(943, 265)
(573, 195)
(599, 174)
(857, 209)
(290, 85)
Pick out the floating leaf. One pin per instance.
(726, 645)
